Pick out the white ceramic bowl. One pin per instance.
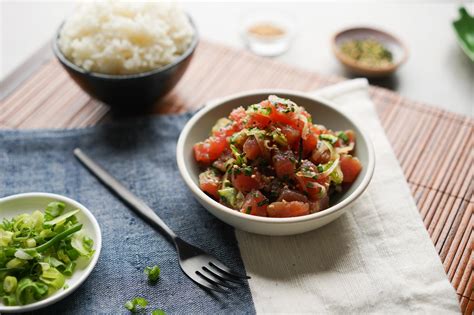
(199, 126)
(26, 203)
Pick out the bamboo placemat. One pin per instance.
(433, 146)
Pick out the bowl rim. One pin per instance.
(351, 63)
(185, 174)
(60, 294)
(62, 58)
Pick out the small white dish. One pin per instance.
(28, 202)
(325, 113)
(269, 45)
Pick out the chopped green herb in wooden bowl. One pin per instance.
(368, 51)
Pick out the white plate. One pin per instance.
(26, 203)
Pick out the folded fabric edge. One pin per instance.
(342, 88)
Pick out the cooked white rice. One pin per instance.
(125, 37)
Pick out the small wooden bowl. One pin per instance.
(393, 44)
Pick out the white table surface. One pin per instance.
(437, 71)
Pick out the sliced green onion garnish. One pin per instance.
(37, 253)
(328, 137)
(9, 284)
(61, 218)
(342, 135)
(239, 157)
(135, 304)
(153, 273)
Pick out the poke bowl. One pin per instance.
(294, 218)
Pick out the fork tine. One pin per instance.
(205, 283)
(223, 276)
(215, 278)
(212, 282)
(217, 264)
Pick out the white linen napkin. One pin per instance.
(376, 258)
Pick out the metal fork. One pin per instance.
(198, 265)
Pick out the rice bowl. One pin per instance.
(121, 38)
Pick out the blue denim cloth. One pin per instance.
(141, 154)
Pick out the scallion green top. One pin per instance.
(38, 251)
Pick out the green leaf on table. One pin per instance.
(464, 28)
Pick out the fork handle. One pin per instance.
(126, 195)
